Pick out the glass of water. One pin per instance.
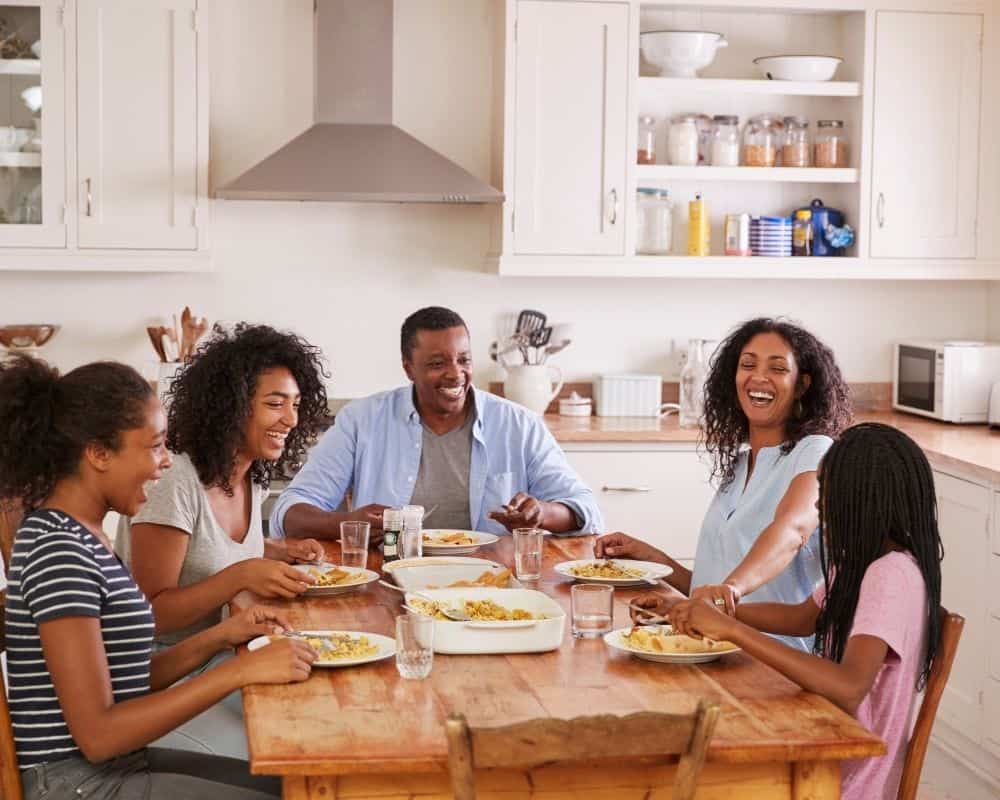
(592, 607)
(528, 544)
(354, 543)
(414, 645)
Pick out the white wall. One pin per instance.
(346, 275)
(993, 303)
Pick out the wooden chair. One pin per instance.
(544, 741)
(951, 632)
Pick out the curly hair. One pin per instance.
(47, 421)
(826, 404)
(210, 401)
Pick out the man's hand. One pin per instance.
(372, 514)
(523, 511)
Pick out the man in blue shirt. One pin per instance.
(473, 460)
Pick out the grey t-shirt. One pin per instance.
(443, 476)
(178, 500)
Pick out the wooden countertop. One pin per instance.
(969, 448)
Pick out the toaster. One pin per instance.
(993, 416)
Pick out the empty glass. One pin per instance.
(592, 607)
(528, 544)
(414, 645)
(354, 543)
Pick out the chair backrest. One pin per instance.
(951, 632)
(10, 518)
(544, 741)
(10, 775)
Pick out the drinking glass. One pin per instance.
(411, 543)
(414, 645)
(528, 553)
(592, 607)
(354, 543)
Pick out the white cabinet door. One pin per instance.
(963, 516)
(570, 125)
(925, 156)
(660, 496)
(137, 87)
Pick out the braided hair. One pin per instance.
(825, 405)
(876, 489)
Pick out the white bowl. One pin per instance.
(680, 54)
(798, 68)
(13, 139)
(32, 97)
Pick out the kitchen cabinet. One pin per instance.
(570, 128)
(659, 495)
(925, 154)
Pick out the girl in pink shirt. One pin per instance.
(875, 616)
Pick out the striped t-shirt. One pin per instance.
(60, 569)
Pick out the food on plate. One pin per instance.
(606, 569)
(455, 538)
(655, 641)
(479, 610)
(500, 580)
(335, 577)
(339, 646)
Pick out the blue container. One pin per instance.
(831, 237)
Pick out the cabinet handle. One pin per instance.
(880, 210)
(90, 199)
(625, 489)
(614, 206)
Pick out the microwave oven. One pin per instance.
(949, 381)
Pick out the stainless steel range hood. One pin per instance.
(354, 152)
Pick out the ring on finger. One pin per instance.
(719, 601)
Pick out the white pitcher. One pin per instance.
(534, 386)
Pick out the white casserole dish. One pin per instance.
(417, 574)
(481, 638)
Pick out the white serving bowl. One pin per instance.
(798, 68)
(680, 54)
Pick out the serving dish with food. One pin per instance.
(617, 572)
(450, 572)
(338, 648)
(501, 620)
(333, 579)
(447, 541)
(659, 643)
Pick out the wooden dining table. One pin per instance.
(365, 732)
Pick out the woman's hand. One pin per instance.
(284, 660)
(266, 577)
(304, 551)
(723, 596)
(621, 545)
(654, 602)
(699, 619)
(250, 623)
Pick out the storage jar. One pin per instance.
(830, 148)
(647, 141)
(655, 225)
(725, 141)
(761, 140)
(796, 150)
(682, 140)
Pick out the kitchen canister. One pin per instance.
(575, 406)
(628, 395)
(533, 386)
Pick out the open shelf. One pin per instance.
(20, 159)
(20, 66)
(665, 172)
(751, 86)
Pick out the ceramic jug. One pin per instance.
(534, 386)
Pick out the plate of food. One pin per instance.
(332, 579)
(618, 572)
(338, 648)
(447, 541)
(660, 643)
(450, 572)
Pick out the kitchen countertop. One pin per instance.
(969, 448)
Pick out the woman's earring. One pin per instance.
(797, 410)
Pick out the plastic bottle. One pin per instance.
(802, 232)
(693, 385)
(699, 233)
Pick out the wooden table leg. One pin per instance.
(816, 780)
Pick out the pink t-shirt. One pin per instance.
(892, 606)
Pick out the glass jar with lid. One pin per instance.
(762, 137)
(682, 140)
(647, 140)
(796, 150)
(654, 234)
(725, 141)
(830, 147)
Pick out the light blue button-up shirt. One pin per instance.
(738, 515)
(374, 450)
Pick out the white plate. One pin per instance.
(386, 647)
(650, 570)
(437, 572)
(482, 539)
(614, 640)
(347, 588)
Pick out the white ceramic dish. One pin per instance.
(614, 640)
(436, 572)
(798, 68)
(480, 638)
(441, 549)
(680, 54)
(386, 647)
(366, 575)
(649, 569)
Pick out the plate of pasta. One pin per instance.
(338, 648)
(333, 579)
(618, 572)
(447, 541)
(660, 643)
